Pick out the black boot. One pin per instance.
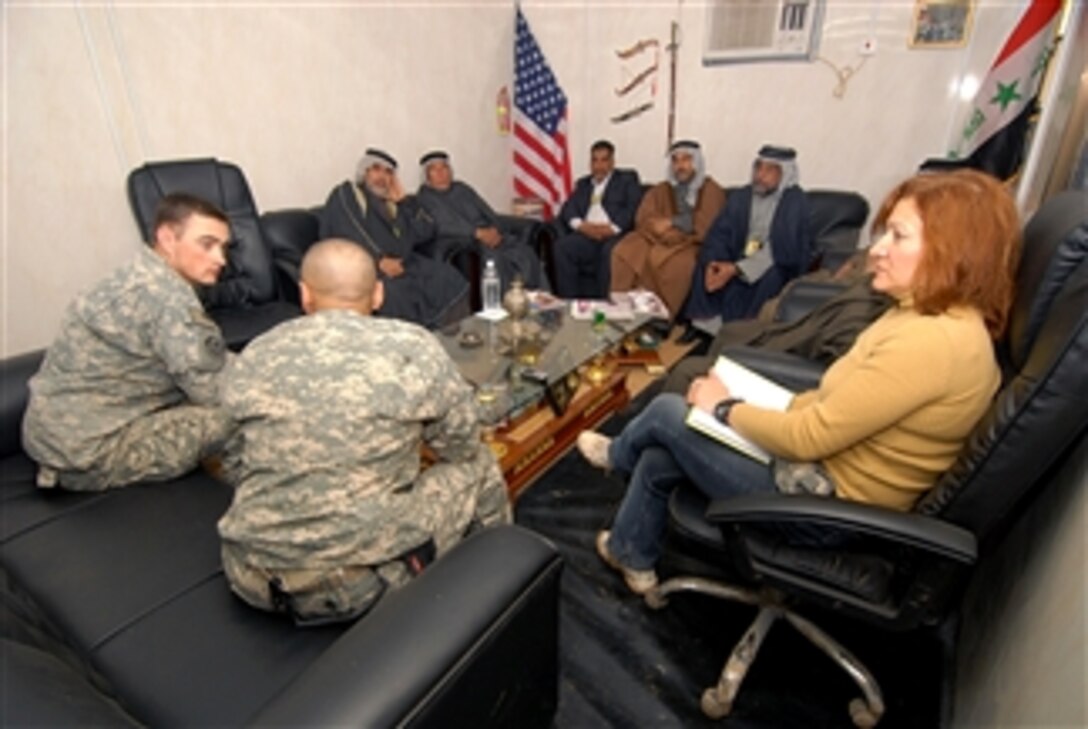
(692, 334)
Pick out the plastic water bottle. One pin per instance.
(491, 287)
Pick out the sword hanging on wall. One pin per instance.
(649, 73)
(632, 113)
(642, 76)
(672, 48)
(625, 53)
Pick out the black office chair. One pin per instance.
(905, 570)
(247, 299)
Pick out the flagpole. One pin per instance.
(512, 81)
(674, 45)
(1055, 102)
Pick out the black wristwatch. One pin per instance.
(722, 409)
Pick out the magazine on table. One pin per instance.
(753, 388)
(621, 305)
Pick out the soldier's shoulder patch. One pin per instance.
(214, 345)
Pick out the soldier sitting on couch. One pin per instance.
(331, 504)
(129, 388)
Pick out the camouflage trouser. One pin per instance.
(792, 477)
(449, 505)
(157, 447)
(314, 596)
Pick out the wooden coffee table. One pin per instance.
(527, 434)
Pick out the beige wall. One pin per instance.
(293, 93)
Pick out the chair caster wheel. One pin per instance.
(654, 599)
(861, 715)
(712, 706)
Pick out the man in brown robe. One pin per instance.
(674, 216)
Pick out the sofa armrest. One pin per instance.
(517, 224)
(474, 637)
(529, 231)
(933, 536)
(15, 374)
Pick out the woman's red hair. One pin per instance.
(971, 233)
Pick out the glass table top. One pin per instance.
(510, 363)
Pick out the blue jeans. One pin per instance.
(661, 452)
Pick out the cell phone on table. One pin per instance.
(534, 374)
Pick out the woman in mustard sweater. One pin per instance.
(887, 418)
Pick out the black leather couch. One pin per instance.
(290, 232)
(116, 612)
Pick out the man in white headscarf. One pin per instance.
(759, 242)
(373, 211)
(674, 216)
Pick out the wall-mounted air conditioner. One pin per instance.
(739, 31)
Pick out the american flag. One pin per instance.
(541, 161)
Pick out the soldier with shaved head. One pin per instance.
(332, 504)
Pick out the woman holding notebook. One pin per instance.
(886, 419)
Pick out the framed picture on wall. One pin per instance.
(941, 23)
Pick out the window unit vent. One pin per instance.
(739, 31)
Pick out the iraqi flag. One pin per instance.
(994, 136)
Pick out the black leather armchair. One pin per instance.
(248, 299)
(906, 570)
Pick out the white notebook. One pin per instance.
(753, 388)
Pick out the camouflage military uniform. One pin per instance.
(332, 409)
(127, 391)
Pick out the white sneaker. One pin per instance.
(594, 447)
(638, 581)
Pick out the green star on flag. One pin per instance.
(995, 133)
(1006, 94)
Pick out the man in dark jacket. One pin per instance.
(597, 214)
